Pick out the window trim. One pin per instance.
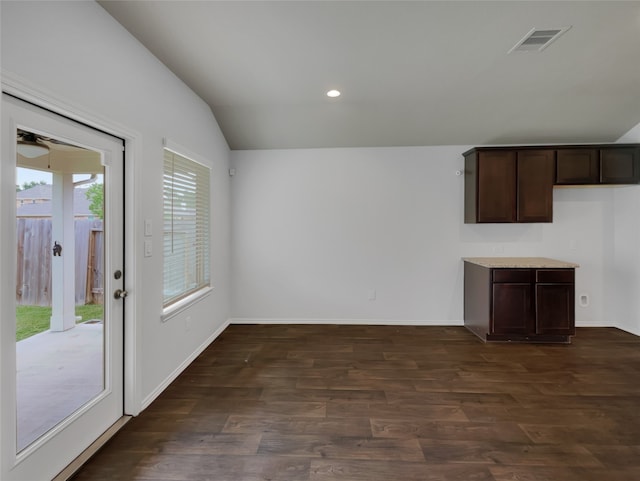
(192, 297)
(183, 304)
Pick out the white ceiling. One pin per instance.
(411, 73)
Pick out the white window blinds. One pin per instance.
(186, 227)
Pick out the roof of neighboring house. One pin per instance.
(40, 191)
(43, 208)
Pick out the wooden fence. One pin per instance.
(33, 280)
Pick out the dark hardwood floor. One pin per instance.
(369, 403)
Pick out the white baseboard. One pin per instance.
(387, 322)
(596, 324)
(635, 332)
(163, 385)
(346, 322)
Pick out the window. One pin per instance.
(186, 227)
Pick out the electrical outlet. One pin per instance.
(372, 295)
(583, 300)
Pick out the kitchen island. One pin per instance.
(519, 299)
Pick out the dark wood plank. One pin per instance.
(449, 430)
(555, 473)
(360, 427)
(356, 470)
(341, 447)
(483, 452)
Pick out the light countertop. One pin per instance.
(520, 262)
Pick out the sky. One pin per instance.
(29, 175)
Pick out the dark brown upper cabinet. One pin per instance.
(509, 185)
(598, 165)
(620, 165)
(578, 166)
(535, 185)
(496, 186)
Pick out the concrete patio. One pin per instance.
(57, 373)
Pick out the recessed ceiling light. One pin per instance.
(333, 93)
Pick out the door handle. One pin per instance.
(120, 294)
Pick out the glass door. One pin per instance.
(61, 326)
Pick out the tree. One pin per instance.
(30, 184)
(95, 196)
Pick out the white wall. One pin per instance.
(315, 231)
(624, 275)
(79, 55)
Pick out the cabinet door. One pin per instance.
(512, 309)
(496, 186)
(577, 166)
(536, 172)
(555, 309)
(620, 165)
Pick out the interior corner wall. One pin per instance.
(77, 53)
(624, 271)
(376, 235)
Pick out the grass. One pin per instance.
(31, 320)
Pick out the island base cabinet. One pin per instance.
(555, 309)
(511, 309)
(519, 305)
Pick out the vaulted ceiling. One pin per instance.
(410, 73)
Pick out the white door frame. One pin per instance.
(26, 91)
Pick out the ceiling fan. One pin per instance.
(32, 145)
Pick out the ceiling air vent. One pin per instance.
(538, 39)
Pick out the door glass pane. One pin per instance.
(59, 282)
